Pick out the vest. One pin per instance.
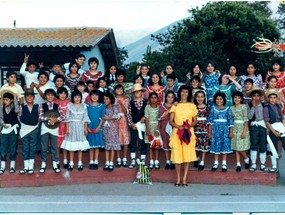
(253, 118)
(137, 114)
(10, 118)
(45, 107)
(272, 114)
(30, 118)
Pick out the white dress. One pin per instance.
(76, 116)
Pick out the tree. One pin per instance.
(218, 31)
(281, 18)
(122, 55)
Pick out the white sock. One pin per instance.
(133, 155)
(12, 164)
(71, 163)
(54, 164)
(216, 162)
(156, 162)
(111, 163)
(96, 162)
(238, 164)
(253, 155)
(151, 162)
(3, 164)
(64, 161)
(31, 163)
(91, 162)
(224, 162)
(118, 159)
(168, 161)
(26, 164)
(107, 163)
(201, 163)
(44, 165)
(79, 163)
(273, 161)
(142, 157)
(124, 159)
(246, 160)
(262, 157)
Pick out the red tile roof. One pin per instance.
(52, 37)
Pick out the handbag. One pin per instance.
(156, 142)
(168, 129)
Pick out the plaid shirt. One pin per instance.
(50, 107)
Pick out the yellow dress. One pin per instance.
(183, 153)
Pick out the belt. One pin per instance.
(201, 118)
(220, 120)
(238, 121)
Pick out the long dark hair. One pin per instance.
(184, 87)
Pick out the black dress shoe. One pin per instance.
(172, 166)
(65, 166)
(196, 164)
(70, 168)
(80, 168)
(95, 166)
(91, 166)
(238, 168)
(201, 167)
(167, 166)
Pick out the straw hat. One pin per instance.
(272, 92)
(255, 89)
(2, 92)
(29, 91)
(137, 87)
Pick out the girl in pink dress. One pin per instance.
(92, 74)
(155, 85)
(62, 101)
(122, 102)
(163, 115)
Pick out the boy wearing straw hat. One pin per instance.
(275, 122)
(136, 121)
(9, 120)
(257, 129)
(11, 77)
(29, 119)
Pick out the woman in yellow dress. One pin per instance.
(181, 151)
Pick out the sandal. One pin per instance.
(56, 170)
(42, 169)
(262, 167)
(215, 167)
(252, 168)
(12, 170)
(2, 171)
(273, 170)
(224, 167)
(31, 171)
(133, 164)
(23, 171)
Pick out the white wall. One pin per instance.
(95, 52)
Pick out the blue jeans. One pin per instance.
(29, 142)
(9, 144)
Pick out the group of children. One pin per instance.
(78, 110)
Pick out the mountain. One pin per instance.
(138, 48)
